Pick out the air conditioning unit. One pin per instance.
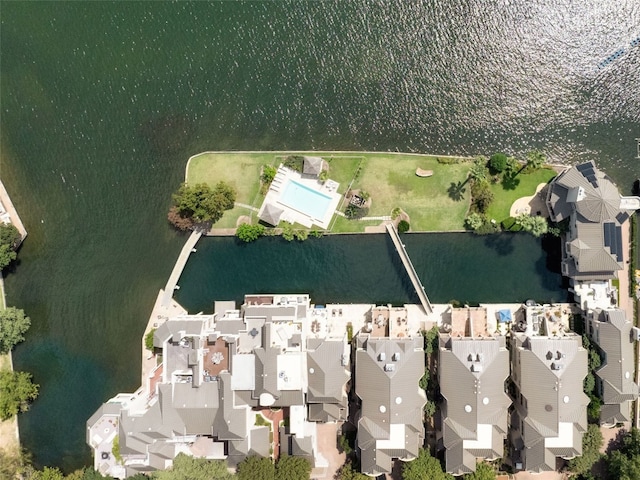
(635, 334)
(389, 367)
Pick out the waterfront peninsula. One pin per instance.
(489, 387)
(357, 192)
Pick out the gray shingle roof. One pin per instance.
(548, 373)
(326, 374)
(312, 165)
(391, 418)
(471, 374)
(271, 214)
(593, 202)
(612, 332)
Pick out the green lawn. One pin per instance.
(389, 178)
(241, 170)
(344, 225)
(504, 198)
(392, 182)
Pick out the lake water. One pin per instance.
(103, 102)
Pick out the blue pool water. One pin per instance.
(306, 200)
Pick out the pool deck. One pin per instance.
(297, 213)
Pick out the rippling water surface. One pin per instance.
(103, 102)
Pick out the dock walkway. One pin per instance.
(411, 271)
(179, 266)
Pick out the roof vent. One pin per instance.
(476, 368)
(558, 355)
(389, 367)
(565, 399)
(467, 408)
(556, 366)
(485, 401)
(382, 409)
(548, 407)
(479, 357)
(470, 357)
(398, 400)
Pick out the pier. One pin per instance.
(411, 271)
(179, 266)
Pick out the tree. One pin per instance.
(498, 162)
(591, 443)
(589, 383)
(536, 226)
(9, 235)
(13, 326)
(16, 392)
(203, 204)
(403, 226)
(482, 196)
(431, 339)
(249, 233)
(7, 255)
(430, 408)
(478, 170)
(474, 220)
(512, 167)
(252, 468)
(178, 220)
(47, 474)
(348, 472)
(484, 471)
(186, 467)
(292, 468)
(535, 160)
(425, 467)
(424, 380)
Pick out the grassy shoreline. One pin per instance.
(389, 177)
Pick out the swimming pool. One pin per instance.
(305, 200)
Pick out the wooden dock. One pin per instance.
(411, 271)
(179, 266)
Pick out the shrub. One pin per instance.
(403, 226)
(324, 176)
(268, 174)
(148, 340)
(498, 162)
(487, 228)
(294, 162)
(474, 221)
(353, 213)
(395, 213)
(316, 233)
(287, 232)
(448, 160)
(482, 196)
(301, 235)
(249, 233)
(430, 408)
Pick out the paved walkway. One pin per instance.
(383, 218)
(244, 205)
(10, 209)
(531, 204)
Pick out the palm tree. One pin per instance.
(535, 159)
(478, 171)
